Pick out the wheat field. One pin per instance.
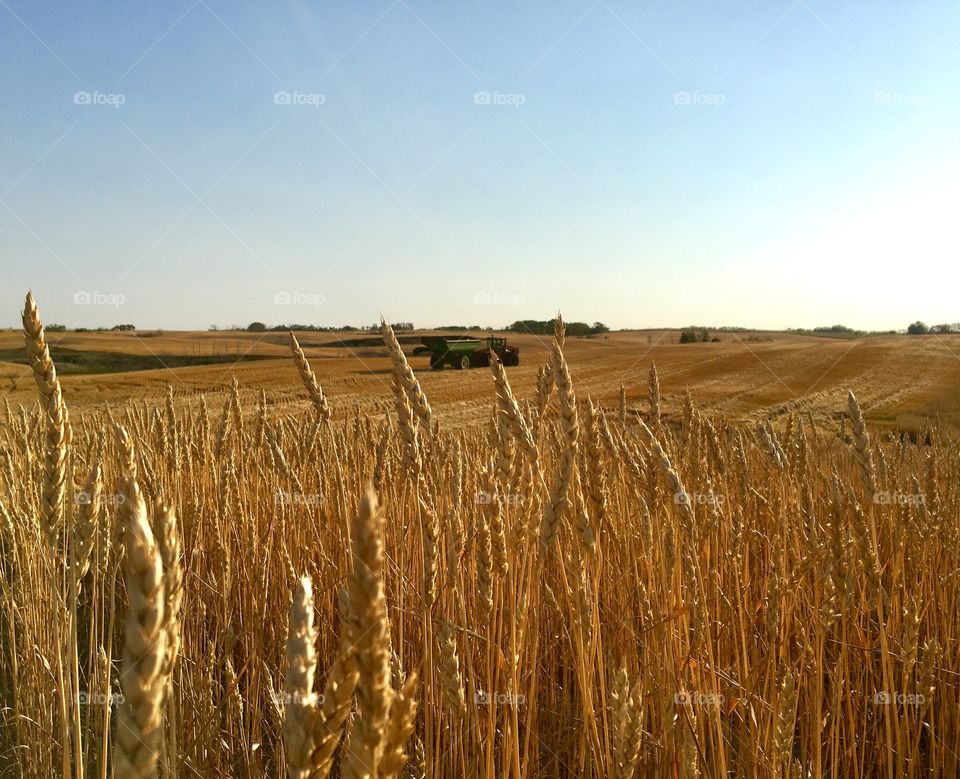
(565, 585)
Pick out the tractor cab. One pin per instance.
(509, 355)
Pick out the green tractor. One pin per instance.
(463, 352)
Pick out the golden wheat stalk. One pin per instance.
(331, 715)
(301, 667)
(410, 440)
(166, 531)
(542, 396)
(558, 498)
(236, 410)
(450, 680)
(680, 496)
(57, 421)
(404, 374)
(626, 726)
(370, 631)
(510, 410)
(861, 440)
(173, 449)
(403, 716)
(653, 393)
(85, 522)
(137, 739)
(596, 478)
(309, 379)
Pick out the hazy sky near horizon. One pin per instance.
(766, 164)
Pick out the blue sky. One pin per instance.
(768, 164)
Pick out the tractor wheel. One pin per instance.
(436, 364)
(464, 362)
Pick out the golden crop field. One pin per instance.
(901, 382)
(626, 557)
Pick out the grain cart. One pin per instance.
(465, 352)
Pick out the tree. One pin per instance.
(834, 329)
(256, 327)
(918, 328)
(545, 327)
(694, 335)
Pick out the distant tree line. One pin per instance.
(545, 327)
(919, 328)
(833, 331)
(695, 335)
(537, 327)
(115, 329)
(260, 327)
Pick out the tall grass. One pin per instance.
(215, 589)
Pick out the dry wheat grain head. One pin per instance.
(411, 386)
(56, 417)
(137, 738)
(861, 440)
(301, 666)
(309, 379)
(167, 533)
(403, 716)
(85, 522)
(371, 637)
(653, 392)
(332, 713)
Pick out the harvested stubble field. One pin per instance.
(901, 382)
(363, 572)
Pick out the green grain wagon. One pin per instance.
(465, 352)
